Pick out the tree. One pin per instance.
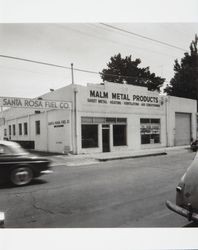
(124, 70)
(185, 80)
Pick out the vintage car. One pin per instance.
(187, 193)
(19, 166)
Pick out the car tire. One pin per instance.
(21, 176)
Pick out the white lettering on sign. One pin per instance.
(14, 102)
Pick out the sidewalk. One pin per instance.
(93, 158)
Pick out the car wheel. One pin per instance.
(21, 176)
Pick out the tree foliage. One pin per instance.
(185, 80)
(125, 70)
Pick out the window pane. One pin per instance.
(150, 131)
(25, 128)
(98, 120)
(37, 123)
(155, 121)
(121, 120)
(145, 139)
(110, 120)
(9, 129)
(20, 129)
(119, 135)
(14, 129)
(156, 138)
(143, 120)
(86, 119)
(89, 136)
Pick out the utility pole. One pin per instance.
(75, 147)
(72, 73)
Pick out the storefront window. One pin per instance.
(119, 135)
(89, 135)
(150, 131)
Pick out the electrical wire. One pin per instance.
(129, 45)
(69, 68)
(144, 37)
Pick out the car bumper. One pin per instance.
(48, 171)
(191, 216)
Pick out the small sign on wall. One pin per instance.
(58, 124)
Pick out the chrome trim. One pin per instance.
(178, 189)
(20, 162)
(47, 171)
(182, 211)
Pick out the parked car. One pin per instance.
(187, 193)
(194, 145)
(18, 166)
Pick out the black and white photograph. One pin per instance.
(99, 128)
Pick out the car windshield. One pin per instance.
(17, 149)
(12, 148)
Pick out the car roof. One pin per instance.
(9, 143)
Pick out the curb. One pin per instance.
(131, 156)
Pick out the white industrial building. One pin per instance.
(101, 118)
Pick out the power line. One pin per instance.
(69, 68)
(129, 45)
(144, 37)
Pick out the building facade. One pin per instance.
(103, 118)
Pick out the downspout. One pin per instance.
(166, 115)
(75, 112)
(75, 121)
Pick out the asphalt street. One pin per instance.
(119, 193)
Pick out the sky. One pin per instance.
(88, 46)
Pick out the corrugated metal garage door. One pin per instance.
(182, 129)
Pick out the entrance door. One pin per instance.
(105, 138)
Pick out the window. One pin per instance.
(5, 132)
(10, 130)
(119, 135)
(20, 129)
(25, 128)
(14, 129)
(150, 131)
(37, 125)
(89, 135)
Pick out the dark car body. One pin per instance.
(19, 166)
(187, 193)
(194, 145)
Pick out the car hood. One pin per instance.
(189, 185)
(30, 156)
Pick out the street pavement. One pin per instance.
(127, 193)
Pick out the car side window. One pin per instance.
(4, 150)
